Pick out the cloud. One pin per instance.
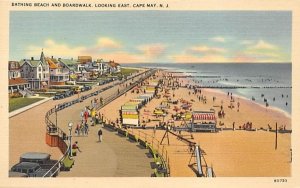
(202, 49)
(218, 39)
(263, 51)
(56, 49)
(105, 42)
(200, 54)
(189, 58)
(246, 42)
(153, 51)
(105, 48)
(263, 45)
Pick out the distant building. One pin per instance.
(36, 72)
(84, 59)
(15, 82)
(113, 67)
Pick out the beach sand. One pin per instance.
(231, 153)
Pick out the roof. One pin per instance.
(51, 63)
(17, 81)
(32, 63)
(68, 62)
(35, 155)
(13, 65)
(113, 64)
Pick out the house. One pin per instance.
(72, 66)
(15, 82)
(113, 67)
(36, 72)
(59, 72)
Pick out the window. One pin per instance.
(44, 75)
(40, 76)
(40, 69)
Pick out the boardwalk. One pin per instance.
(110, 158)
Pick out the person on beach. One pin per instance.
(100, 135)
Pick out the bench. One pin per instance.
(157, 174)
(133, 137)
(143, 143)
(67, 163)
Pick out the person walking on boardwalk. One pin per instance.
(100, 135)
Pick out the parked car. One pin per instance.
(31, 169)
(68, 93)
(43, 159)
(87, 87)
(17, 174)
(58, 96)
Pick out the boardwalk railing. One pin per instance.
(56, 137)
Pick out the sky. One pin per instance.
(153, 36)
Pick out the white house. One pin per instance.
(59, 72)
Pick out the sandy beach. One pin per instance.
(231, 153)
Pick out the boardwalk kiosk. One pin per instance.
(204, 121)
(130, 114)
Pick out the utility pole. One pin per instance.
(276, 137)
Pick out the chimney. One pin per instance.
(32, 58)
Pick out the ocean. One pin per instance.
(261, 81)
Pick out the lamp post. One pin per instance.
(70, 138)
(56, 108)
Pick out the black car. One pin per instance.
(68, 93)
(86, 87)
(42, 159)
(58, 96)
(31, 169)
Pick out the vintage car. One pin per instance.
(31, 169)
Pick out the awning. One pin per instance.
(204, 116)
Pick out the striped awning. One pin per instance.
(204, 116)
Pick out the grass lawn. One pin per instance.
(16, 103)
(125, 72)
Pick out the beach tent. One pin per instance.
(130, 117)
(137, 100)
(129, 107)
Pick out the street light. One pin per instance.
(56, 109)
(70, 138)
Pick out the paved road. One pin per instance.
(27, 133)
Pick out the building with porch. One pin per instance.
(59, 72)
(36, 72)
(15, 82)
